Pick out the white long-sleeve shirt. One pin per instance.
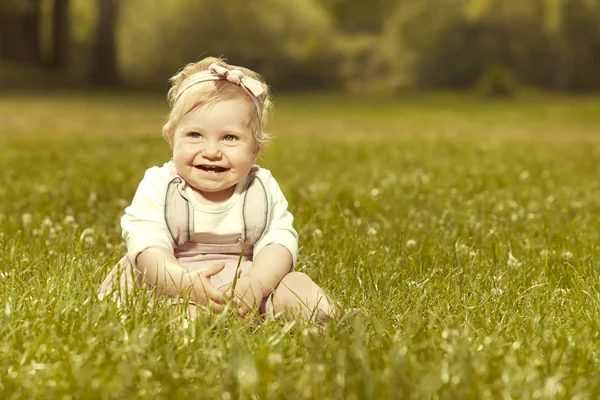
(144, 223)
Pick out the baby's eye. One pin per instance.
(194, 135)
(229, 138)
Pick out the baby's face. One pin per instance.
(214, 149)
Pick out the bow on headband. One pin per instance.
(217, 73)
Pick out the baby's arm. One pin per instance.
(150, 246)
(160, 268)
(275, 254)
(268, 269)
(271, 265)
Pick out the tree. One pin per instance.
(104, 70)
(20, 35)
(60, 34)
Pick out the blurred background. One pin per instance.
(496, 47)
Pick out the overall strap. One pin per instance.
(255, 205)
(179, 213)
(256, 208)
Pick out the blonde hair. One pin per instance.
(211, 92)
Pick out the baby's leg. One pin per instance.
(189, 309)
(297, 296)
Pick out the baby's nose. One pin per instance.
(211, 149)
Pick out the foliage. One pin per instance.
(374, 46)
(497, 81)
(466, 229)
(283, 40)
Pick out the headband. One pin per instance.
(217, 73)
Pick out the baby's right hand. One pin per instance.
(201, 291)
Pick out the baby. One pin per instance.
(211, 208)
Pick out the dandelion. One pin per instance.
(310, 331)
(46, 223)
(544, 253)
(247, 375)
(371, 231)
(449, 334)
(26, 219)
(576, 204)
(463, 248)
(275, 359)
(553, 388)
(375, 192)
(524, 175)
(317, 234)
(512, 261)
(86, 233)
(567, 255)
(42, 189)
(411, 243)
(69, 220)
(561, 292)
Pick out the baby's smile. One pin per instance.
(211, 168)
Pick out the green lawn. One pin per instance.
(468, 229)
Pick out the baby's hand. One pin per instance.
(201, 291)
(249, 293)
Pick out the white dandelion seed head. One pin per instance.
(87, 232)
(463, 248)
(26, 219)
(512, 261)
(524, 175)
(46, 223)
(275, 359)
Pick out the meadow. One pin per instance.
(467, 229)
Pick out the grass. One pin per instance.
(469, 230)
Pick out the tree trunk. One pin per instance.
(104, 70)
(60, 34)
(20, 35)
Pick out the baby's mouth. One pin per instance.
(211, 168)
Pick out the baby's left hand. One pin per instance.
(249, 293)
